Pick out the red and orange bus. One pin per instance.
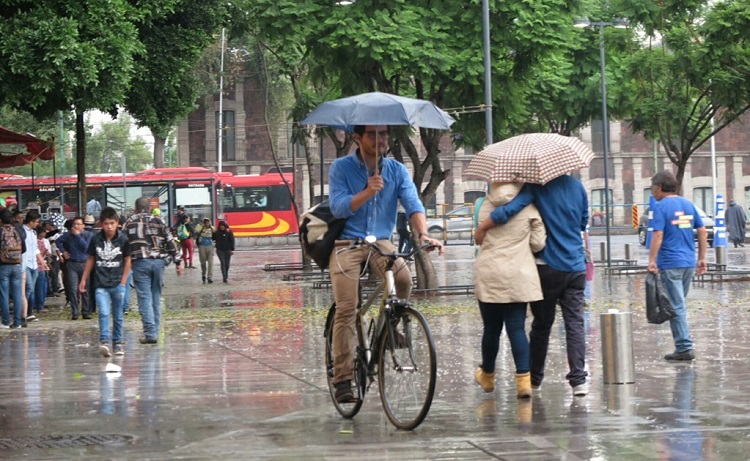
(252, 205)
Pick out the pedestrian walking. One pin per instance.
(224, 238)
(109, 258)
(42, 279)
(563, 205)
(404, 234)
(94, 208)
(736, 220)
(185, 232)
(12, 247)
(74, 245)
(506, 280)
(672, 255)
(205, 239)
(55, 287)
(151, 246)
(33, 261)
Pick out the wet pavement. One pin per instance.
(238, 374)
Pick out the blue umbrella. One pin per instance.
(379, 109)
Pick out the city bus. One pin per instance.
(252, 205)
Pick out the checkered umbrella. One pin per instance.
(57, 219)
(533, 157)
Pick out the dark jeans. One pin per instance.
(54, 272)
(73, 274)
(225, 257)
(565, 288)
(513, 315)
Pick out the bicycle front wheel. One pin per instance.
(407, 368)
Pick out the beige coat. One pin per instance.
(505, 270)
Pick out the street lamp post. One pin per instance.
(605, 121)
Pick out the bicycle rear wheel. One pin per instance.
(350, 409)
(407, 369)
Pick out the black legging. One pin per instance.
(225, 257)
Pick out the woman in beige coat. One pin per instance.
(506, 279)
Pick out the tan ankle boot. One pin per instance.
(486, 380)
(523, 385)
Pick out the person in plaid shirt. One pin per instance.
(152, 248)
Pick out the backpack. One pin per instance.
(11, 247)
(318, 231)
(182, 232)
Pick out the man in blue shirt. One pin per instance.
(672, 254)
(369, 200)
(563, 204)
(74, 246)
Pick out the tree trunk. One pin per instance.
(159, 144)
(81, 161)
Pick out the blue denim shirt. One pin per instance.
(563, 204)
(76, 245)
(348, 177)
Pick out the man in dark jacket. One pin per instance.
(735, 217)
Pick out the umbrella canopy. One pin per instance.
(533, 157)
(379, 109)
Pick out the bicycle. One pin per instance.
(395, 346)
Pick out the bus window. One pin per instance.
(259, 198)
(196, 200)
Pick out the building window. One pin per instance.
(703, 198)
(226, 135)
(598, 208)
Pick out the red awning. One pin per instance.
(38, 149)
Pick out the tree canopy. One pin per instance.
(691, 68)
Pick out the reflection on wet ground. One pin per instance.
(238, 374)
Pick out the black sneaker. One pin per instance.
(145, 340)
(210, 281)
(344, 392)
(118, 349)
(681, 356)
(104, 349)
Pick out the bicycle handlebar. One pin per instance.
(408, 256)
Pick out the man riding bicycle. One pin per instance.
(369, 200)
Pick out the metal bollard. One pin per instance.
(618, 364)
(627, 252)
(603, 250)
(721, 257)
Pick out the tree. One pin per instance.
(429, 49)
(692, 78)
(49, 128)
(166, 81)
(70, 55)
(107, 146)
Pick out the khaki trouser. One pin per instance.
(206, 256)
(345, 268)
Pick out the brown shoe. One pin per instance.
(486, 380)
(523, 385)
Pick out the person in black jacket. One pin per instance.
(224, 238)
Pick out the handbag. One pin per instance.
(658, 307)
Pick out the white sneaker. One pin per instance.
(4, 326)
(581, 390)
(536, 387)
(104, 349)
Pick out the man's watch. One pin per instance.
(424, 234)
